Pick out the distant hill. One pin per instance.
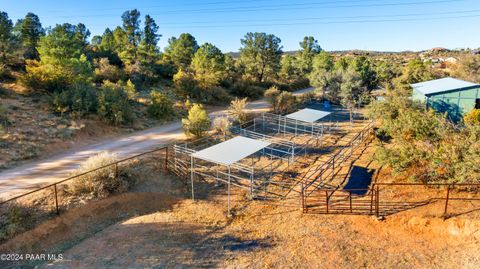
(340, 52)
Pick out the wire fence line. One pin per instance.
(110, 165)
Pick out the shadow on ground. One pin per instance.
(359, 180)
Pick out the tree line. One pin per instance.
(84, 75)
(104, 74)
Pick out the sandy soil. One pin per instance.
(197, 234)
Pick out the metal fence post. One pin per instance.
(302, 197)
(56, 199)
(377, 201)
(326, 199)
(371, 199)
(446, 201)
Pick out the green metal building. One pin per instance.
(454, 96)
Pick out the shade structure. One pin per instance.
(231, 151)
(308, 115)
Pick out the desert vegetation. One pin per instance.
(423, 144)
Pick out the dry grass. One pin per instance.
(102, 182)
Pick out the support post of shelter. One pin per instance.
(228, 198)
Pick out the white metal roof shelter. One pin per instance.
(231, 151)
(228, 153)
(308, 115)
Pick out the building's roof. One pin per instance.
(231, 151)
(442, 85)
(308, 115)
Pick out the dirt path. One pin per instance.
(29, 176)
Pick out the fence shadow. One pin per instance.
(359, 180)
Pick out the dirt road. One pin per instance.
(29, 176)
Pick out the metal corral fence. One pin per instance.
(383, 199)
(51, 200)
(319, 176)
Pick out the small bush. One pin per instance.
(106, 71)
(272, 96)
(14, 219)
(56, 76)
(5, 72)
(245, 89)
(281, 101)
(473, 117)
(237, 110)
(100, 183)
(184, 84)
(46, 77)
(197, 123)
(306, 97)
(80, 100)
(114, 105)
(221, 125)
(216, 95)
(128, 87)
(298, 84)
(286, 102)
(161, 106)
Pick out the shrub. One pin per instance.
(14, 219)
(424, 145)
(114, 105)
(473, 117)
(47, 77)
(165, 70)
(102, 182)
(245, 89)
(237, 110)
(286, 102)
(106, 71)
(184, 84)
(298, 84)
(188, 104)
(215, 95)
(80, 100)
(306, 97)
(56, 76)
(272, 96)
(128, 87)
(221, 125)
(197, 123)
(5, 72)
(161, 106)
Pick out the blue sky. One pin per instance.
(385, 25)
